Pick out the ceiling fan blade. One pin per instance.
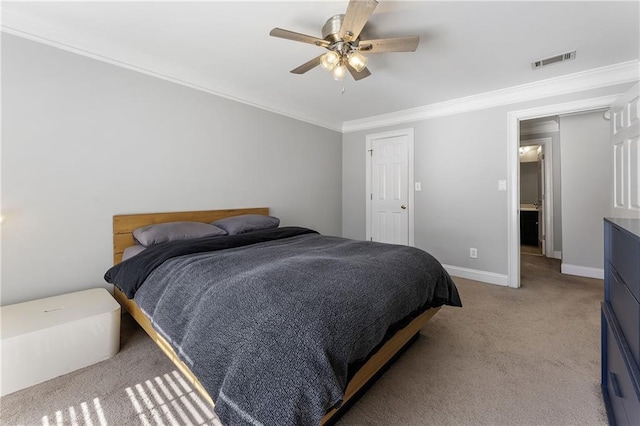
(398, 44)
(290, 35)
(307, 66)
(358, 75)
(357, 14)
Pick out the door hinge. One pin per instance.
(371, 196)
(371, 152)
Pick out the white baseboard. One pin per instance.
(582, 271)
(557, 255)
(476, 275)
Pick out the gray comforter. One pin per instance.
(271, 329)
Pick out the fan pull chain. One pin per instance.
(342, 92)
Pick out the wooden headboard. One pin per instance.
(125, 224)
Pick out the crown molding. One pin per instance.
(32, 28)
(35, 29)
(624, 72)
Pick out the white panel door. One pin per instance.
(625, 137)
(389, 190)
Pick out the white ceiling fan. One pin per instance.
(341, 37)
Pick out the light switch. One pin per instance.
(502, 185)
(418, 186)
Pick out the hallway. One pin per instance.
(536, 270)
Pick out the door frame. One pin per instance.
(513, 169)
(409, 133)
(548, 191)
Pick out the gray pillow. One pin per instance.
(246, 223)
(174, 231)
(132, 251)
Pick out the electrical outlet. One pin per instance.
(473, 253)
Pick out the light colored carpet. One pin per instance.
(529, 356)
(139, 386)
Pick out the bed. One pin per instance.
(284, 248)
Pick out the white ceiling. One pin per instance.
(224, 47)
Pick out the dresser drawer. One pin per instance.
(627, 311)
(625, 258)
(624, 399)
(613, 389)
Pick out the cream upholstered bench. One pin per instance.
(46, 338)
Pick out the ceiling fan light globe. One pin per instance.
(357, 61)
(339, 72)
(329, 60)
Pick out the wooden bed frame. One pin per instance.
(123, 227)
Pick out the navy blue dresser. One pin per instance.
(621, 321)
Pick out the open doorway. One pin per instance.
(540, 213)
(515, 119)
(532, 205)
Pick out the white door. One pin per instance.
(625, 134)
(541, 200)
(389, 204)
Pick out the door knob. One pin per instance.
(403, 207)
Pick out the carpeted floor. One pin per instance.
(527, 249)
(529, 356)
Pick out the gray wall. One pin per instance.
(459, 160)
(528, 182)
(586, 187)
(83, 140)
(459, 206)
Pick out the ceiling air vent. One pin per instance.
(553, 60)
